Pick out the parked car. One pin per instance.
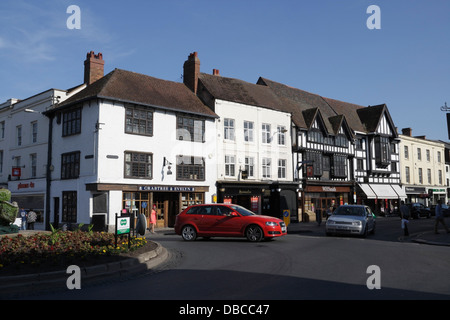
(351, 219)
(226, 220)
(418, 210)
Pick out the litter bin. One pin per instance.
(99, 222)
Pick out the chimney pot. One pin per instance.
(216, 72)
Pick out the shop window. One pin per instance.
(99, 203)
(70, 165)
(191, 198)
(69, 206)
(190, 168)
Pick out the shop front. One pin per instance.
(416, 195)
(320, 198)
(271, 198)
(384, 199)
(30, 195)
(140, 199)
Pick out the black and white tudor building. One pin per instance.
(343, 153)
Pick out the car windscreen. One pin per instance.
(349, 211)
(243, 211)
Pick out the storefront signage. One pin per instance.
(123, 225)
(414, 190)
(167, 188)
(16, 172)
(25, 185)
(326, 189)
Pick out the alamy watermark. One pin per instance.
(74, 280)
(74, 20)
(374, 21)
(374, 280)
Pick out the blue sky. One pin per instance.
(322, 46)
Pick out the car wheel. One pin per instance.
(366, 231)
(254, 233)
(189, 233)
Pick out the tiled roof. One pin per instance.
(127, 86)
(334, 112)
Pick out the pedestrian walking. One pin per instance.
(404, 215)
(439, 217)
(23, 215)
(31, 219)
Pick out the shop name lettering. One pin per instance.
(162, 188)
(329, 189)
(25, 185)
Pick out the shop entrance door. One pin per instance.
(324, 204)
(167, 205)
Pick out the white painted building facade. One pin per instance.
(24, 149)
(423, 169)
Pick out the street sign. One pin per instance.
(286, 217)
(123, 225)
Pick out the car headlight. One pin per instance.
(271, 223)
(329, 221)
(356, 223)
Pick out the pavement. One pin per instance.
(14, 286)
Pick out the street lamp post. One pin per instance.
(447, 109)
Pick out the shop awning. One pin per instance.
(384, 191)
(367, 190)
(399, 190)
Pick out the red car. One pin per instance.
(226, 220)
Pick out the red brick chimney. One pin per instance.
(93, 67)
(191, 70)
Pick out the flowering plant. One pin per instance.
(62, 247)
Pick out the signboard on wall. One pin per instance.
(16, 172)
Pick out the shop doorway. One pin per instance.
(167, 207)
(324, 204)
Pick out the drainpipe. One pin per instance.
(49, 171)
